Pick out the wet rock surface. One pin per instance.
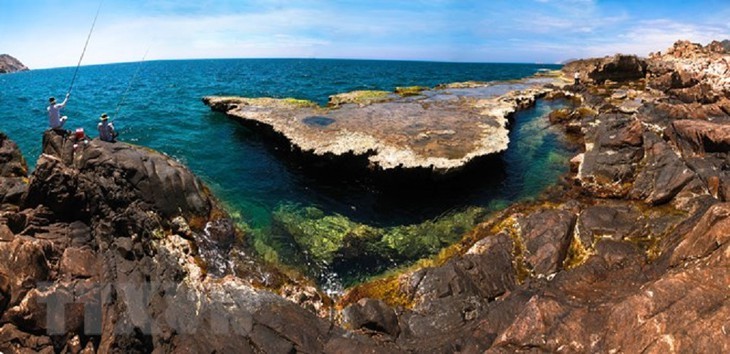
(439, 130)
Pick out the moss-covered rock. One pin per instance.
(360, 97)
(410, 90)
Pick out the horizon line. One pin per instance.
(302, 58)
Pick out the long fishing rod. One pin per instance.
(70, 87)
(124, 95)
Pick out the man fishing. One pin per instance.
(106, 129)
(55, 120)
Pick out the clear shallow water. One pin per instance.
(163, 110)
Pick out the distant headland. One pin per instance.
(9, 64)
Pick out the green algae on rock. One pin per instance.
(440, 130)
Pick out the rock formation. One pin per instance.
(9, 64)
(617, 68)
(116, 248)
(439, 130)
(630, 258)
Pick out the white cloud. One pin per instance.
(656, 35)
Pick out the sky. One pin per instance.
(52, 33)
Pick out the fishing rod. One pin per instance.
(84, 51)
(124, 95)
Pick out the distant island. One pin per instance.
(9, 64)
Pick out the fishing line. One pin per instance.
(124, 95)
(85, 45)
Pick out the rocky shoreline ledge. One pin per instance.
(412, 131)
(118, 248)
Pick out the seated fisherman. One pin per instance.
(106, 129)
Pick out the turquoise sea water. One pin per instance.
(163, 110)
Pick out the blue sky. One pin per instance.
(51, 33)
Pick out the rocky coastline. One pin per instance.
(9, 64)
(113, 247)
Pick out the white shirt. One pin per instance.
(106, 131)
(54, 114)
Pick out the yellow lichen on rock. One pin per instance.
(410, 90)
(360, 97)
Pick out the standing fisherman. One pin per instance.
(106, 129)
(55, 120)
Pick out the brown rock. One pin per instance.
(664, 173)
(13, 340)
(673, 80)
(547, 235)
(6, 235)
(616, 222)
(12, 163)
(13, 170)
(8, 64)
(78, 262)
(699, 137)
(4, 293)
(373, 315)
(711, 232)
(702, 93)
(24, 262)
(618, 68)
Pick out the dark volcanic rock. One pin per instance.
(9, 64)
(671, 79)
(12, 163)
(618, 68)
(71, 181)
(663, 175)
(613, 151)
(13, 172)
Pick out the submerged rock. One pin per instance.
(332, 242)
(439, 130)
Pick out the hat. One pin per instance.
(52, 99)
(104, 116)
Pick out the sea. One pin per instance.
(158, 104)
